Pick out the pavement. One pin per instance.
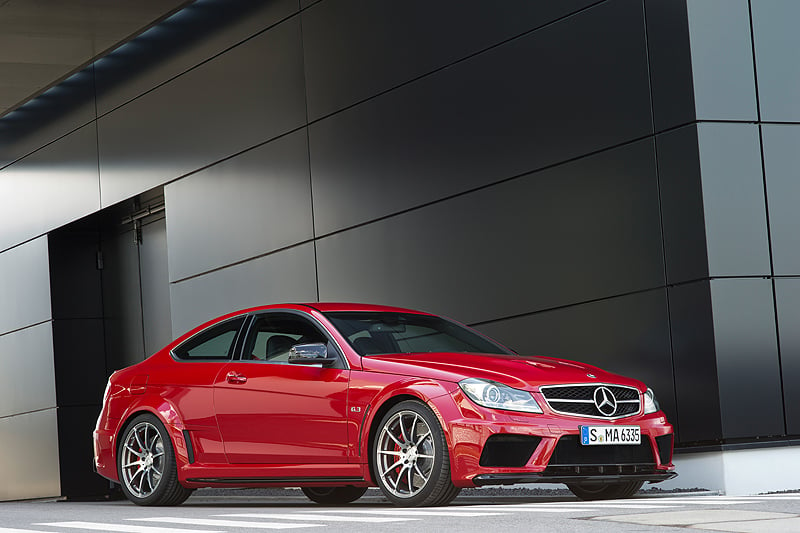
(476, 510)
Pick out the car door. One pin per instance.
(272, 412)
(189, 385)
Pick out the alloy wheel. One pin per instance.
(405, 454)
(142, 461)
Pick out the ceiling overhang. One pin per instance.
(43, 42)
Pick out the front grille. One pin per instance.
(664, 443)
(580, 400)
(505, 450)
(569, 452)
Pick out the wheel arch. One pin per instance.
(165, 412)
(383, 408)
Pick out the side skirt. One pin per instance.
(285, 481)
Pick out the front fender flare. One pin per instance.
(435, 394)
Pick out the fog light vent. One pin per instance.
(664, 443)
(508, 450)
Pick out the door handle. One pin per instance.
(235, 378)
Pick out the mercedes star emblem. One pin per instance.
(605, 401)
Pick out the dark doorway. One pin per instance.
(110, 300)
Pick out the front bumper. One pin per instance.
(502, 448)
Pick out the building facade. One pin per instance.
(609, 181)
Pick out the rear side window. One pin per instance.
(214, 344)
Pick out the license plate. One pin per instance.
(600, 435)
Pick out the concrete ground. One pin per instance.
(477, 510)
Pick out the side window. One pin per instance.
(214, 344)
(272, 336)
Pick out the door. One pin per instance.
(272, 412)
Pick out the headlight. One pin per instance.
(650, 402)
(498, 396)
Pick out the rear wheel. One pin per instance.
(411, 458)
(605, 491)
(146, 464)
(334, 495)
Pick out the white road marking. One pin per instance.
(331, 518)
(123, 528)
(694, 517)
(543, 508)
(223, 523)
(532, 509)
(703, 500)
(12, 530)
(602, 505)
(451, 511)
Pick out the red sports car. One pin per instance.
(334, 398)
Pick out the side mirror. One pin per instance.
(311, 354)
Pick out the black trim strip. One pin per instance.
(189, 448)
(511, 479)
(278, 480)
(361, 427)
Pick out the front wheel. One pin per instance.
(606, 491)
(334, 495)
(146, 464)
(411, 458)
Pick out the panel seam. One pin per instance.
(767, 218)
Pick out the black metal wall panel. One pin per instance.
(243, 97)
(584, 230)
(682, 214)
(62, 176)
(733, 199)
(79, 362)
(379, 46)
(695, 367)
(75, 452)
(787, 298)
(285, 276)
(254, 203)
(775, 35)
(781, 161)
(156, 313)
(25, 282)
(537, 100)
(670, 63)
(75, 275)
(122, 302)
(26, 382)
(42, 121)
(195, 34)
(628, 334)
(747, 358)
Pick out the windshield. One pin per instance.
(372, 333)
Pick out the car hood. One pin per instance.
(516, 371)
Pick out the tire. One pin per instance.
(334, 495)
(410, 457)
(608, 491)
(146, 464)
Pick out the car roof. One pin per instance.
(325, 307)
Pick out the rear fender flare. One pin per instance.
(166, 412)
